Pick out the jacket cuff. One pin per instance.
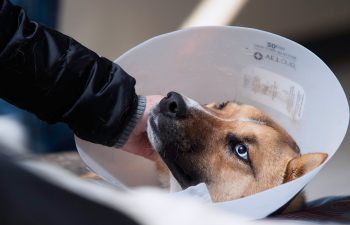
(129, 128)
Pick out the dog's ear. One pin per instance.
(302, 165)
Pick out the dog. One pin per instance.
(235, 149)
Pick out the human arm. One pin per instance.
(59, 80)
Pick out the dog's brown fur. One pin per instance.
(274, 157)
(204, 147)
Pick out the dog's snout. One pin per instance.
(173, 105)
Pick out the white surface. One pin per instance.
(213, 58)
(151, 207)
(334, 178)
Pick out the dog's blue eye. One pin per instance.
(242, 151)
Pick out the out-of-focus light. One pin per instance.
(214, 12)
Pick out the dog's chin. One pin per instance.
(185, 176)
(161, 132)
(178, 163)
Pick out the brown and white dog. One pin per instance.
(235, 149)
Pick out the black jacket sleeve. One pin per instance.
(59, 80)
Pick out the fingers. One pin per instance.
(147, 151)
(149, 154)
(138, 142)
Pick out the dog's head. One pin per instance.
(235, 149)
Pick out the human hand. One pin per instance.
(138, 142)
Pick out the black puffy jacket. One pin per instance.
(59, 80)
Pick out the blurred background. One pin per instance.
(112, 27)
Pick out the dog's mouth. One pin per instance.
(173, 158)
(173, 145)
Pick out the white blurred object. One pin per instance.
(13, 136)
(151, 206)
(214, 13)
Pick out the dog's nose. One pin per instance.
(173, 105)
